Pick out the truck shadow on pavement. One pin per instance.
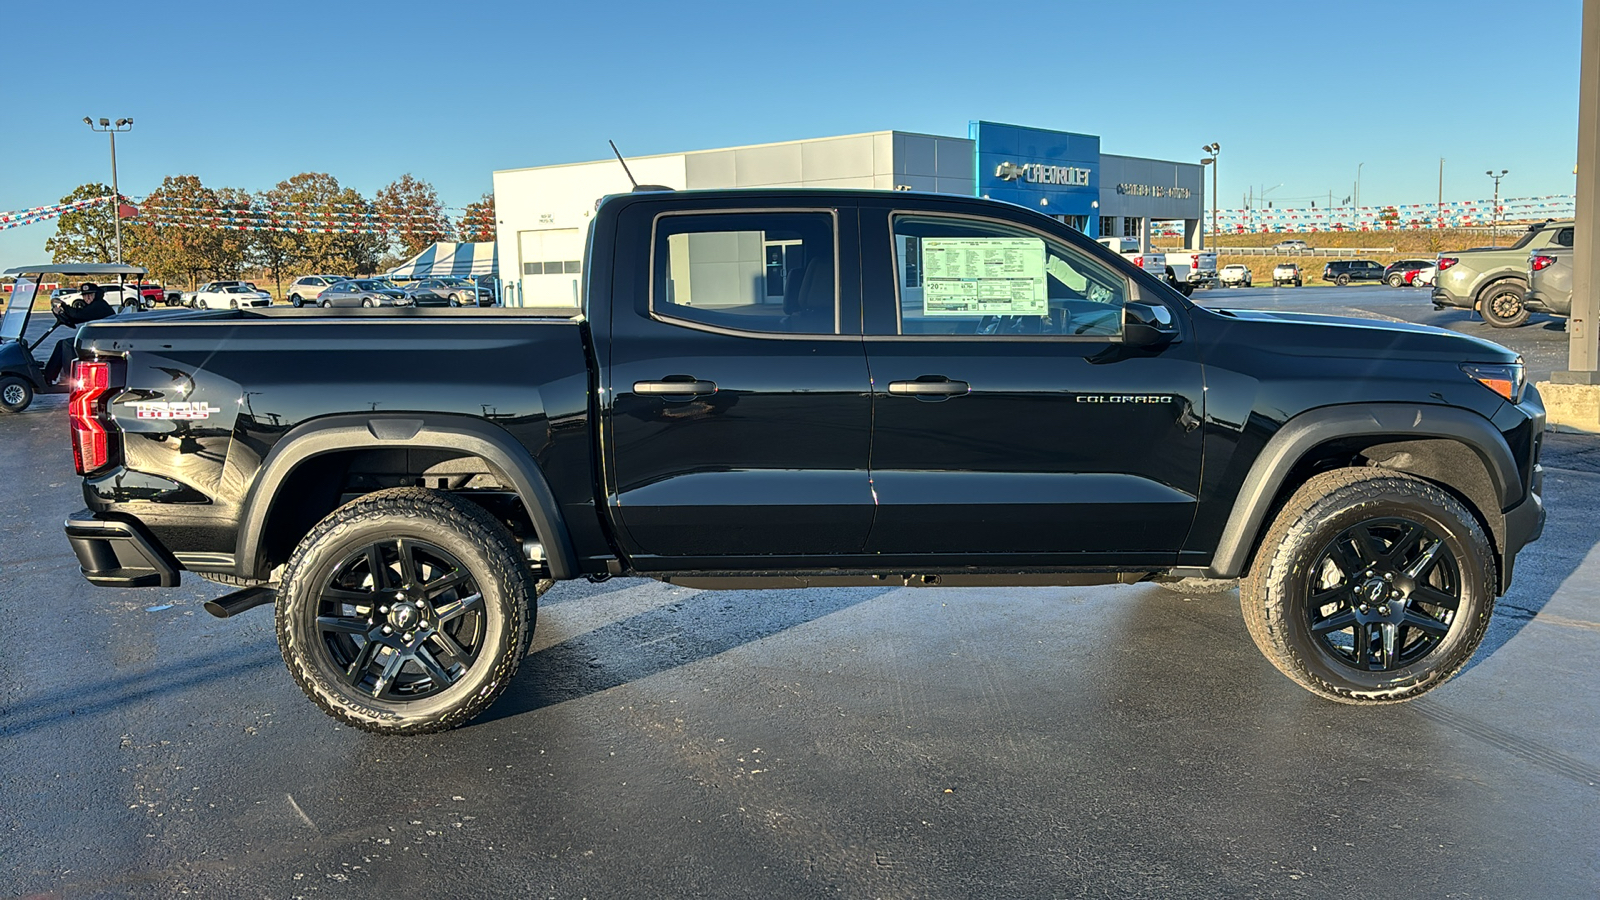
(667, 637)
(105, 695)
(1572, 491)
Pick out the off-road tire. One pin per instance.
(1502, 304)
(1274, 595)
(1342, 280)
(15, 394)
(1395, 280)
(484, 547)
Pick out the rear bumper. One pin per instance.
(115, 553)
(1554, 304)
(1442, 298)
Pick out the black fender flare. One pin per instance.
(1401, 421)
(409, 431)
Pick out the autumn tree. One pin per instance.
(330, 228)
(412, 215)
(87, 234)
(172, 236)
(477, 222)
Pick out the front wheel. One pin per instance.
(406, 611)
(367, 303)
(326, 304)
(295, 301)
(16, 394)
(1502, 306)
(1372, 586)
(454, 300)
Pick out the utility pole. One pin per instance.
(1358, 185)
(1438, 211)
(1494, 211)
(1583, 342)
(111, 131)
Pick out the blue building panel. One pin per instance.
(1054, 172)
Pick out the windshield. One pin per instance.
(18, 302)
(372, 284)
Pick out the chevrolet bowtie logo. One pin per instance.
(1009, 171)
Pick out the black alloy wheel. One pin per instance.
(406, 611)
(1372, 586)
(1382, 594)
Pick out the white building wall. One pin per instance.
(542, 211)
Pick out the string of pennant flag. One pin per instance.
(1400, 216)
(37, 214)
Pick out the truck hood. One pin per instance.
(1313, 334)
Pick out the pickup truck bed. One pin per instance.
(792, 388)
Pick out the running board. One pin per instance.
(230, 605)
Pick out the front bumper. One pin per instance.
(118, 553)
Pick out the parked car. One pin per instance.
(1550, 281)
(1292, 246)
(187, 298)
(1344, 271)
(231, 296)
(1424, 277)
(369, 292)
(1402, 272)
(122, 297)
(1234, 276)
(403, 507)
(1286, 273)
(307, 288)
(1493, 280)
(447, 292)
(1194, 268)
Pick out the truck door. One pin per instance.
(1010, 421)
(738, 406)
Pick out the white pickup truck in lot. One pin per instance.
(1197, 268)
(1152, 261)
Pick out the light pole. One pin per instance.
(1358, 185)
(111, 129)
(1494, 211)
(1212, 148)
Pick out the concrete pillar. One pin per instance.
(1573, 401)
(1192, 235)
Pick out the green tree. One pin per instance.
(303, 204)
(85, 235)
(171, 237)
(477, 222)
(275, 251)
(363, 240)
(412, 215)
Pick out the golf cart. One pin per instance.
(22, 376)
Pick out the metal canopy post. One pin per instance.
(1583, 340)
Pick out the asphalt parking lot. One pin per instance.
(661, 741)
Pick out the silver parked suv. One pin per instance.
(307, 288)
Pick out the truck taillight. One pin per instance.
(1446, 262)
(91, 441)
(1541, 262)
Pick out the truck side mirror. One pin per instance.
(1147, 325)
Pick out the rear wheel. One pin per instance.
(1371, 587)
(1396, 280)
(406, 611)
(200, 303)
(327, 304)
(1502, 305)
(16, 394)
(1342, 280)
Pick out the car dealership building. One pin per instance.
(543, 212)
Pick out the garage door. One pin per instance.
(552, 265)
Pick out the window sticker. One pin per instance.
(983, 276)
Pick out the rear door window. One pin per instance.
(766, 272)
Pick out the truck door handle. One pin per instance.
(926, 386)
(671, 387)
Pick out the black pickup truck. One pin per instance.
(790, 388)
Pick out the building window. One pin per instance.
(1108, 226)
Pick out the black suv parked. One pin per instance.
(1344, 271)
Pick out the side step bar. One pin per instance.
(230, 605)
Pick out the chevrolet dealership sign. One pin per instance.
(1038, 173)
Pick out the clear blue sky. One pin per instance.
(244, 95)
